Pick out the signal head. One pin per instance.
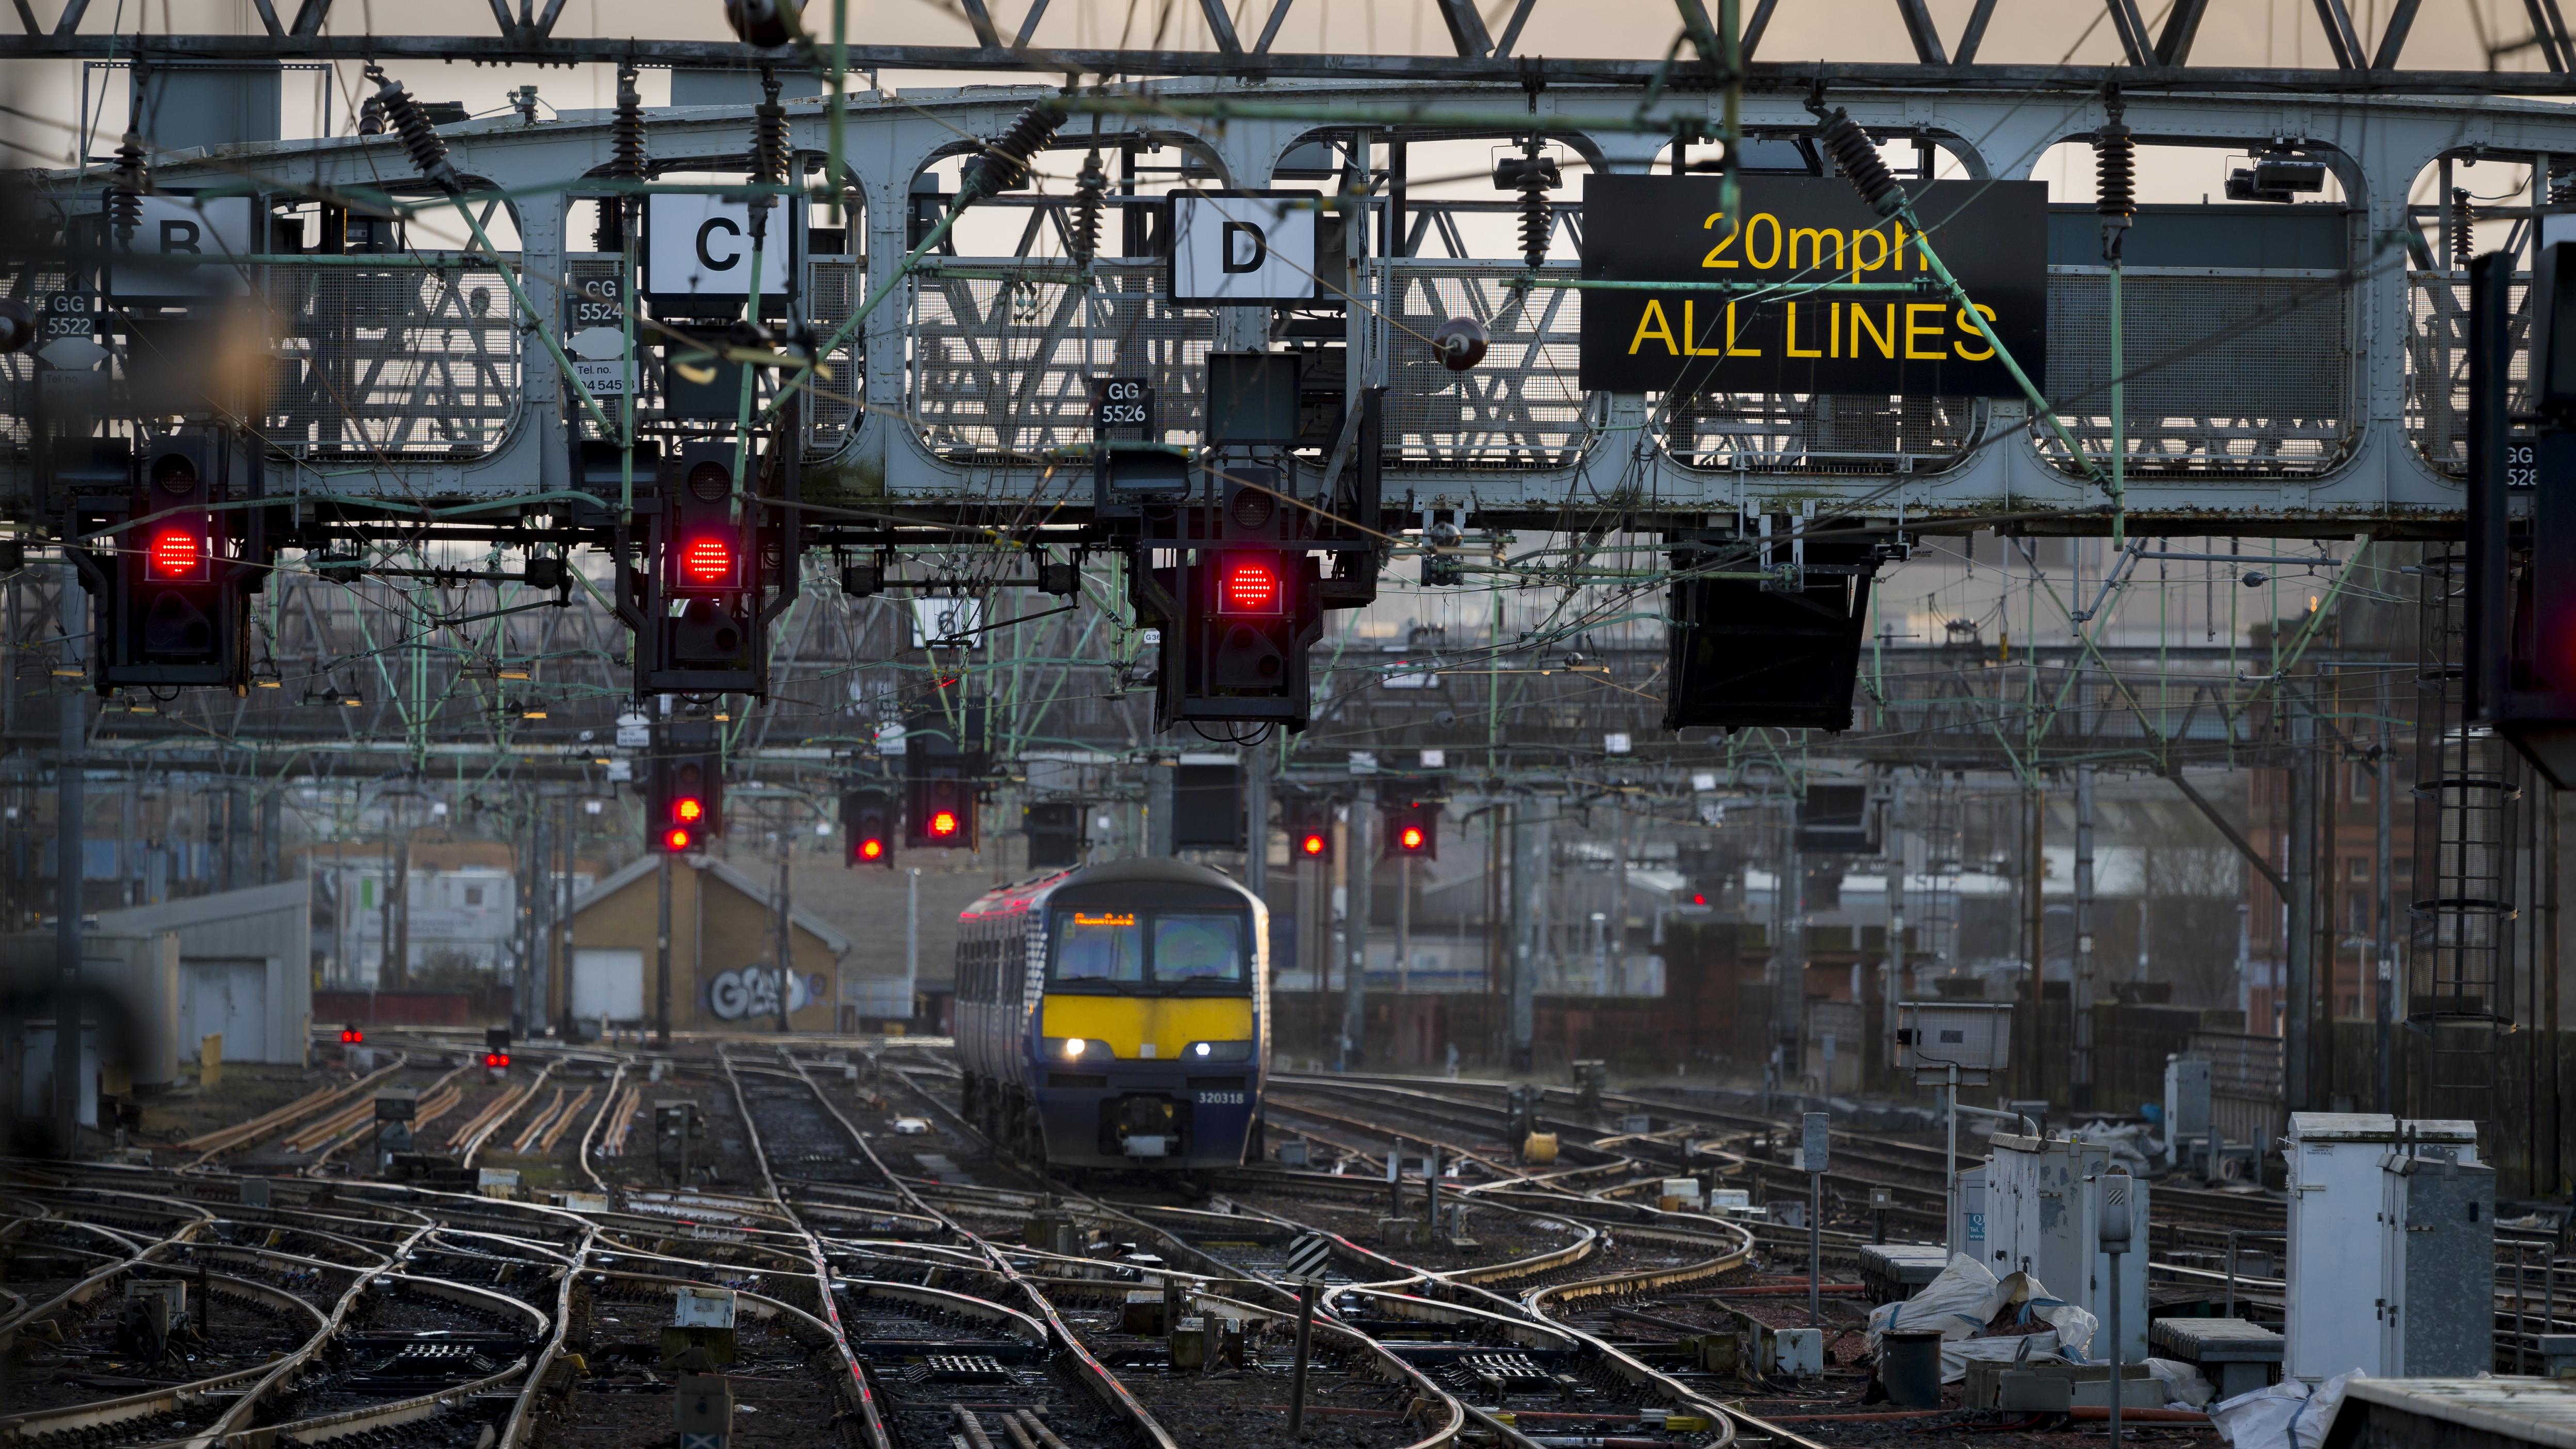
(708, 561)
(177, 554)
(1251, 584)
(175, 473)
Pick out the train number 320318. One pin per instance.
(1221, 1099)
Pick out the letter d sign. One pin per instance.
(1244, 247)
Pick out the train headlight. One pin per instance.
(1219, 1051)
(1076, 1049)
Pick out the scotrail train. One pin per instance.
(1117, 1015)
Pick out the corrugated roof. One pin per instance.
(188, 911)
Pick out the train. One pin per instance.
(1117, 1015)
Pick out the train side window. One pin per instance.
(1198, 946)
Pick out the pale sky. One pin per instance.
(2449, 34)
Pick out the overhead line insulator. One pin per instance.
(1538, 214)
(1852, 150)
(1003, 165)
(131, 179)
(420, 139)
(2115, 181)
(1089, 190)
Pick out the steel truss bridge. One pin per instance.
(2318, 398)
(2316, 389)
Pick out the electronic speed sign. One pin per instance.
(1748, 313)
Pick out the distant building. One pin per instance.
(463, 905)
(724, 936)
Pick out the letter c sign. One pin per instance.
(706, 254)
(700, 246)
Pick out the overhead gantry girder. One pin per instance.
(2361, 471)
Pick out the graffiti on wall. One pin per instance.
(752, 991)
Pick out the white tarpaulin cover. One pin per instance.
(2286, 1415)
(1966, 1298)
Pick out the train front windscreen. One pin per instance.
(1151, 952)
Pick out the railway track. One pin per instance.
(1234, 1245)
(895, 1288)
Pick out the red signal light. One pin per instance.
(496, 1061)
(688, 810)
(177, 554)
(1250, 585)
(677, 839)
(707, 560)
(351, 1036)
(1697, 899)
(944, 823)
(1410, 838)
(871, 850)
(1313, 843)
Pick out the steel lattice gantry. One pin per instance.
(2322, 400)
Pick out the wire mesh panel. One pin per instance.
(833, 289)
(1003, 354)
(17, 400)
(2437, 365)
(1835, 433)
(18, 370)
(1522, 407)
(407, 360)
(2233, 374)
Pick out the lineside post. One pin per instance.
(1307, 1292)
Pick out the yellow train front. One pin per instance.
(1117, 1016)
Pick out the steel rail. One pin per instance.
(240, 1411)
(166, 1399)
(415, 1407)
(326, 1427)
(1341, 1246)
(598, 1119)
(1635, 1280)
(92, 1285)
(1104, 1384)
(1625, 1366)
(360, 1118)
(209, 1145)
(869, 1417)
(1389, 1363)
(486, 1131)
